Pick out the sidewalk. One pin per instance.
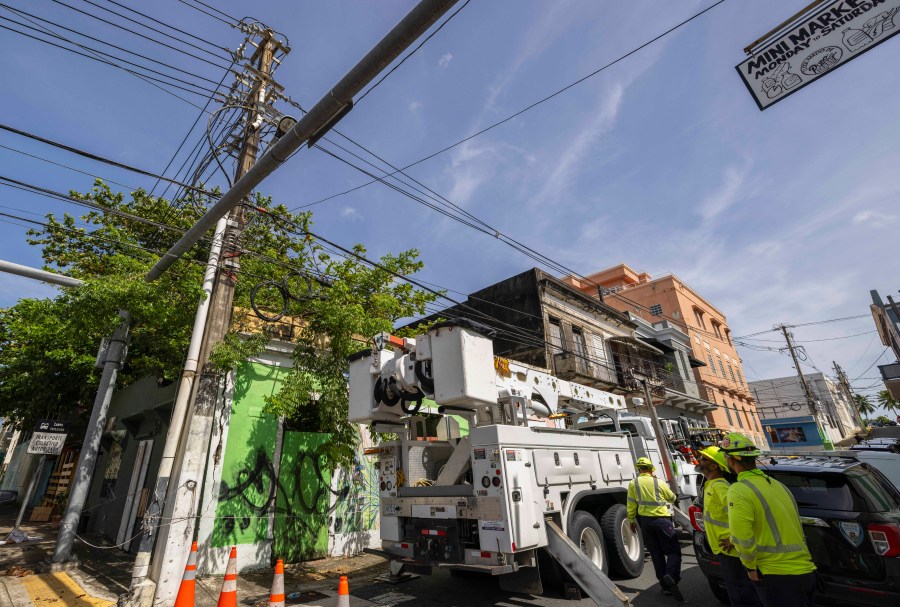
(104, 572)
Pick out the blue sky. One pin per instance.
(662, 161)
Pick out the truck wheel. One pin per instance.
(587, 534)
(626, 547)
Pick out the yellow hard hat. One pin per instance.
(736, 444)
(644, 462)
(715, 454)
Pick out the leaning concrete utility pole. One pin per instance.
(189, 457)
(113, 358)
(42, 275)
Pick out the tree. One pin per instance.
(863, 405)
(48, 347)
(887, 402)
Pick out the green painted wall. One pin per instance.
(247, 472)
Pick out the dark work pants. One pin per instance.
(741, 590)
(793, 590)
(665, 552)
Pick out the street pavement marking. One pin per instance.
(59, 590)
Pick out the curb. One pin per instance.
(12, 593)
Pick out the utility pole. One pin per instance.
(848, 392)
(810, 399)
(184, 489)
(113, 358)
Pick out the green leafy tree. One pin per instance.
(48, 347)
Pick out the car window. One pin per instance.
(888, 466)
(857, 490)
(824, 491)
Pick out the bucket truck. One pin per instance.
(519, 487)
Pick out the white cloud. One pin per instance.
(873, 219)
(415, 106)
(351, 214)
(726, 194)
(445, 60)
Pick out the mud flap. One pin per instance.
(527, 580)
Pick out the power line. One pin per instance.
(543, 100)
(68, 29)
(233, 22)
(806, 341)
(180, 31)
(412, 52)
(149, 38)
(880, 356)
(65, 166)
(805, 324)
(148, 79)
(125, 61)
(191, 130)
(152, 29)
(98, 158)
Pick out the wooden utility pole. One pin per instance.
(810, 399)
(184, 490)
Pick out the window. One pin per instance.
(740, 379)
(557, 341)
(717, 329)
(728, 335)
(747, 415)
(580, 346)
(727, 412)
(731, 371)
(756, 422)
(737, 414)
(722, 369)
(698, 316)
(656, 310)
(712, 365)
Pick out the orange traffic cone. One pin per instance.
(276, 597)
(343, 592)
(185, 596)
(228, 596)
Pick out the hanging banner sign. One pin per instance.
(829, 37)
(46, 443)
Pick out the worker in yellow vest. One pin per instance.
(740, 589)
(766, 531)
(648, 501)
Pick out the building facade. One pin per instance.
(887, 322)
(786, 416)
(721, 378)
(542, 321)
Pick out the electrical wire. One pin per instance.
(151, 28)
(149, 79)
(551, 96)
(129, 187)
(106, 42)
(149, 38)
(193, 126)
(91, 156)
(880, 356)
(233, 22)
(412, 52)
(180, 31)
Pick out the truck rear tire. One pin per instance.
(624, 546)
(585, 531)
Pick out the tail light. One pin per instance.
(885, 538)
(696, 514)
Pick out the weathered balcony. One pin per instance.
(572, 367)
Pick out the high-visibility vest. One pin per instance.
(765, 526)
(715, 513)
(647, 497)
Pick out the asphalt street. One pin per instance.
(474, 590)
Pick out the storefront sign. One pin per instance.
(821, 41)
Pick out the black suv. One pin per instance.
(851, 518)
